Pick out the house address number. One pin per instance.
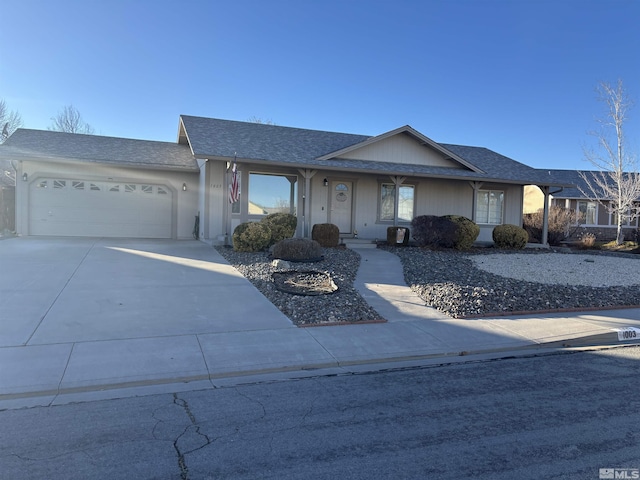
(629, 333)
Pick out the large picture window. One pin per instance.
(489, 206)
(388, 200)
(271, 194)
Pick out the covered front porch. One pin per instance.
(362, 205)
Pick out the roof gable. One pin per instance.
(403, 145)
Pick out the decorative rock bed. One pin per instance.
(344, 305)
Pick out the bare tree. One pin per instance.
(69, 120)
(10, 121)
(616, 183)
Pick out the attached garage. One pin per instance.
(67, 207)
(77, 185)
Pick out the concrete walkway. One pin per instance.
(84, 319)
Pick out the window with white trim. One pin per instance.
(489, 206)
(271, 194)
(387, 199)
(588, 211)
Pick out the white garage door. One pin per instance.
(84, 208)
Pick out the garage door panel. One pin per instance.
(89, 208)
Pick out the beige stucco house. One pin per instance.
(85, 185)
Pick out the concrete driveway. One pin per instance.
(65, 290)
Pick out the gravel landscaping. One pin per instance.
(345, 305)
(486, 281)
(478, 283)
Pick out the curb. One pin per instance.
(607, 340)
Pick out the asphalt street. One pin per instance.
(553, 416)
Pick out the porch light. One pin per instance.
(25, 177)
(325, 182)
(184, 187)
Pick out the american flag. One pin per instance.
(234, 190)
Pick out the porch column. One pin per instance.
(397, 181)
(306, 204)
(226, 207)
(545, 215)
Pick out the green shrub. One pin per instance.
(326, 234)
(392, 236)
(433, 231)
(282, 225)
(297, 249)
(466, 233)
(510, 236)
(251, 237)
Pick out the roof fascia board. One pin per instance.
(22, 157)
(411, 131)
(259, 163)
(183, 130)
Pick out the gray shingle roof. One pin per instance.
(215, 138)
(256, 141)
(26, 143)
(573, 177)
(201, 137)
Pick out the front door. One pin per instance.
(340, 205)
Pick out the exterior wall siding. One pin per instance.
(402, 149)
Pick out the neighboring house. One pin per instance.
(594, 216)
(84, 185)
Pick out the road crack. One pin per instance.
(190, 440)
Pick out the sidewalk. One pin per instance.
(120, 355)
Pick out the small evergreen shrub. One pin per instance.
(297, 249)
(326, 234)
(251, 237)
(510, 236)
(433, 231)
(466, 233)
(282, 225)
(392, 236)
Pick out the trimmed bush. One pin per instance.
(251, 237)
(392, 236)
(282, 225)
(297, 249)
(433, 231)
(510, 236)
(326, 234)
(467, 232)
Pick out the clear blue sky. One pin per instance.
(515, 76)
